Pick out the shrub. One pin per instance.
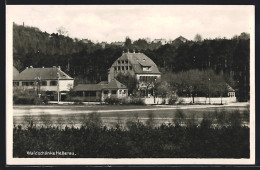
(137, 101)
(112, 100)
(173, 99)
(125, 101)
(140, 141)
(26, 97)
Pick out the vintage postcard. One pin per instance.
(130, 84)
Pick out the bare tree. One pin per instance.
(62, 31)
(198, 38)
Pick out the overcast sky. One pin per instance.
(114, 23)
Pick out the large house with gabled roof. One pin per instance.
(51, 81)
(138, 65)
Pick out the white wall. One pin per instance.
(187, 100)
(206, 100)
(64, 86)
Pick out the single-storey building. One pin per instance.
(99, 92)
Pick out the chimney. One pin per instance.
(42, 66)
(134, 51)
(127, 50)
(58, 67)
(31, 66)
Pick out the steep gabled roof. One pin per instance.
(229, 88)
(44, 73)
(114, 84)
(138, 60)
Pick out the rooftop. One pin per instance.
(44, 74)
(138, 60)
(113, 84)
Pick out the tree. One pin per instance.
(128, 80)
(62, 31)
(198, 38)
(197, 83)
(128, 43)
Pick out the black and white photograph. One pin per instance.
(130, 84)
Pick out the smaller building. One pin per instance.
(231, 91)
(99, 92)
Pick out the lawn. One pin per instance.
(110, 115)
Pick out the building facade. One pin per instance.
(138, 65)
(48, 81)
(99, 92)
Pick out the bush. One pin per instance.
(125, 101)
(137, 101)
(173, 99)
(140, 141)
(113, 100)
(27, 97)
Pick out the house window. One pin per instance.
(120, 91)
(124, 91)
(53, 83)
(123, 68)
(123, 61)
(147, 68)
(105, 91)
(130, 67)
(118, 67)
(126, 61)
(90, 93)
(126, 68)
(44, 83)
(16, 83)
(27, 83)
(115, 68)
(113, 91)
(118, 61)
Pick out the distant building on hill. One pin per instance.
(50, 81)
(162, 41)
(119, 43)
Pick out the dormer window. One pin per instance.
(147, 68)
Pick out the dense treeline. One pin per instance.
(89, 62)
(139, 140)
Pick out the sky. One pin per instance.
(110, 23)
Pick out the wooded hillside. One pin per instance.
(89, 62)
